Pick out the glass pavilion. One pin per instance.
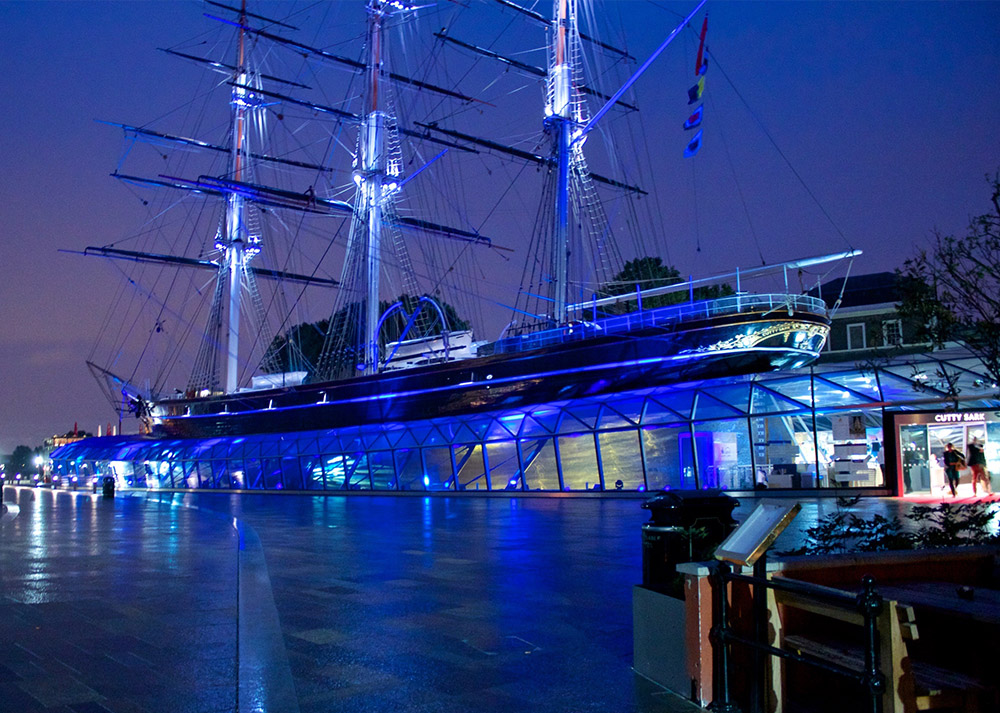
(811, 428)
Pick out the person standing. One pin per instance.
(953, 460)
(977, 461)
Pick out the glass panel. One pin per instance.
(610, 418)
(680, 401)
(268, 446)
(437, 468)
(220, 473)
(358, 476)
(395, 435)
(375, 441)
(436, 436)
(630, 409)
(505, 473)
(409, 469)
(505, 427)
(621, 460)
(205, 474)
(335, 468)
(578, 456)
(763, 401)
(899, 388)
(447, 430)
(465, 434)
(735, 395)
(471, 472)
(540, 470)
(312, 467)
(252, 473)
(664, 469)
(784, 452)
(328, 443)
(916, 458)
(547, 418)
(797, 388)
(271, 474)
(570, 424)
(479, 427)
(831, 395)
(406, 440)
(586, 413)
(658, 413)
(723, 454)
(382, 470)
(857, 381)
(707, 407)
(421, 434)
(532, 427)
(189, 472)
(291, 473)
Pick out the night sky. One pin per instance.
(888, 111)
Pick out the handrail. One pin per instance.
(868, 604)
(662, 317)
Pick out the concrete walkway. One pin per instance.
(204, 603)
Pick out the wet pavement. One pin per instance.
(213, 602)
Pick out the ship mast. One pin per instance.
(236, 254)
(559, 120)
(370, 177)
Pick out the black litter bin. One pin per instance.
(109, 486)
(684, 526)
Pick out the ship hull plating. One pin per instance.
(572, 369)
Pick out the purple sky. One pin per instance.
(889, 112)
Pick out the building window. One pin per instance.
(892, 331)
(856, 336)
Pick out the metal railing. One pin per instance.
(868, 603)
(663, 317)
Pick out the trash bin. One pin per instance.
(684, 526)
(109, 486)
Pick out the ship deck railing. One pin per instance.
(661, 317)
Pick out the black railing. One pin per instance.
(868, 603)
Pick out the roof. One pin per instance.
(861, 290)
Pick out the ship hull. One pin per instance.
(708, 348)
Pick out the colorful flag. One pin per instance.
(695, 119)
(694, 93)
(700, 64)
(693, 146)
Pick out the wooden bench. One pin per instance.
(910, 685)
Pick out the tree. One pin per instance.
(649, 272)
(20, 460)
(951, 291)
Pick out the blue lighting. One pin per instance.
(427, 482)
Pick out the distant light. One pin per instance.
(427, 482)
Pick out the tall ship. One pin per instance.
(365, 311)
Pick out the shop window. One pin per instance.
(856, 336)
